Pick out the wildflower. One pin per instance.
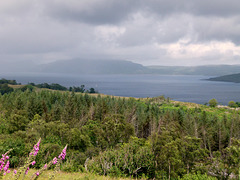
(34, 162)
(3, 157)
(27, 170)
(54, 160)
(37, 173)
(1, 166)
(4, 174)
(45, 166)
(6, 166)
(15, 171)
(7, 157)
(8, 171)
(63, 153)
(36, 148)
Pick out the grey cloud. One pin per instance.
(219, 29)
(59, 29)
(113, 11)
(196, 7)
(147, 29)
(96, 12)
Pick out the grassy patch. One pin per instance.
(65, 176)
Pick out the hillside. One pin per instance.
(153, 138)
(228, 78)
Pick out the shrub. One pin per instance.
(232, 104)
(212, 102)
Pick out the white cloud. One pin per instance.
(217, 52)
(108, 33)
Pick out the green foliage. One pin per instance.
(5, 81)
(134, 159)
(53, 86)
(4, 88)
(27, 87)
(150, 138)
(77, 89)
(197, 176)
(232, 104)
(212, 102)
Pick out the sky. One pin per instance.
(149, 32)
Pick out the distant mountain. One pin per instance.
(208, 70)
(80, 66)
(84, 66)
(227, 78)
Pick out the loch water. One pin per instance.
(185, 88)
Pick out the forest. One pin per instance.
(121, 137)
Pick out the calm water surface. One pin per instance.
(180, 88)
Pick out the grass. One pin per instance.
(65, 176)
(15, 86)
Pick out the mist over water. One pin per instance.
(185, 88)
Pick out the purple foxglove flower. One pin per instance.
(1, 167)
(15, 171)
(54, 160)
(34, 162)
(6, 166)
(36, 148)
(63, 153)
(37, 173)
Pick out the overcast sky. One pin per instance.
(150, 32)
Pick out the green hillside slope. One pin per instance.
(228, 78)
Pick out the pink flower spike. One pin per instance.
(7, 157)
(37, 173)
(63, 153)
(36, 147)
(6, 166)
(34, 162)
(54, 160)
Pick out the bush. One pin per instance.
(4, 88)
(197, 177)
(232, 104)
(212, 102)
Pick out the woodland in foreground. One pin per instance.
(121, 137)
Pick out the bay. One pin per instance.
(186, 88)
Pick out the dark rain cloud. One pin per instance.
(91, 12)
(112, 11)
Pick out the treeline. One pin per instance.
(5, 81)
(4, 88)
(151, 138)
(55, 86)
